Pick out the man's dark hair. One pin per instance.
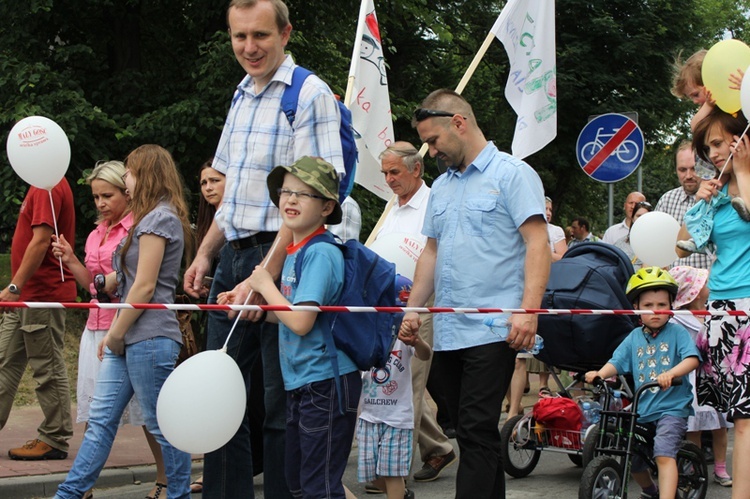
(582, 222)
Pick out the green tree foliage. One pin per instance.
(117, 74)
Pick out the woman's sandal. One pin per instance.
(545, 392)
(157, 493)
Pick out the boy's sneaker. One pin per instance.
(408, 494)
(724, 481)
(689, 245)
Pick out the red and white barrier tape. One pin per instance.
(342, 308)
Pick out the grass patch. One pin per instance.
(74, 324)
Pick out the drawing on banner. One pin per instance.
(527, 30)
(368, 100)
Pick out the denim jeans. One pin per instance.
(227, 472)
(142, 370)
(319, 436)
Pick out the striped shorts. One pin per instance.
(383, 451)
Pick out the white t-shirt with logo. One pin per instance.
(387, 392)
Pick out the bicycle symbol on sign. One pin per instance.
(627, 152)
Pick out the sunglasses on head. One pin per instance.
(421, 114)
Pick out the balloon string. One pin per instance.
(57, 235)
(731, 154)
(265, 263)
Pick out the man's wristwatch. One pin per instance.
(14, 289)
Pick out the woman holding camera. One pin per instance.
(95, 274)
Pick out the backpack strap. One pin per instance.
(290, 98)
(326, 323)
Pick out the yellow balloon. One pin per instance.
(721, 61)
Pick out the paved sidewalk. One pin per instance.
(129, 462)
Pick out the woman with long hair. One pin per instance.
(112, 201)
(141, 347)
(723, 380)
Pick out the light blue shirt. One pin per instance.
(257, 137)
(304, 359)
(728, 279)
(646, 358)
(475, 216)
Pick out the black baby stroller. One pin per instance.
(590, 276)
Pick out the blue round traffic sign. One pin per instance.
(610, 147)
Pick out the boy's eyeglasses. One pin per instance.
(421, 114)
(287, 193)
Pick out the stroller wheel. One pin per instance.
(601, 479)
(519, 448)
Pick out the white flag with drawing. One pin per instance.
(527, 30)
(369, 102)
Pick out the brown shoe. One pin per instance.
(36, 450)
(434, 465)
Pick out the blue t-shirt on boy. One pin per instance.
(304, 359)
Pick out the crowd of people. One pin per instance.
(269, 190)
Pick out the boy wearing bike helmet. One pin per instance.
(657, 351)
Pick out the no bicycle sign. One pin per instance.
(610, 147)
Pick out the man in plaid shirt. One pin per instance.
(257, 137)
(678, 201)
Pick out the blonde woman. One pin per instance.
(140, 349)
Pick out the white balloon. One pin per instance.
(39, 151)
(745, 94)
(401, 249)
(214, 378)
(653, 238)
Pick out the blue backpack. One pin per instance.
(346, 131)
(367, 338)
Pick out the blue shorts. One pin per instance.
(670, 432)
(383, 450)
(319, 437)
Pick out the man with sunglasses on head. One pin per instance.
(256, 138)
(486, 246)
(680, 199)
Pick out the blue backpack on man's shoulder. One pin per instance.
(367, 338)
(289, 102)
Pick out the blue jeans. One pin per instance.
(142, 370)
(319, 436)
(227, 472)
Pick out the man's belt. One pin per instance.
(253, 241)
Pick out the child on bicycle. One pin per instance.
(657, 351)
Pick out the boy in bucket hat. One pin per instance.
(307, 196)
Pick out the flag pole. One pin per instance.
(355, 53)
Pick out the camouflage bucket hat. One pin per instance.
(315, 172)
